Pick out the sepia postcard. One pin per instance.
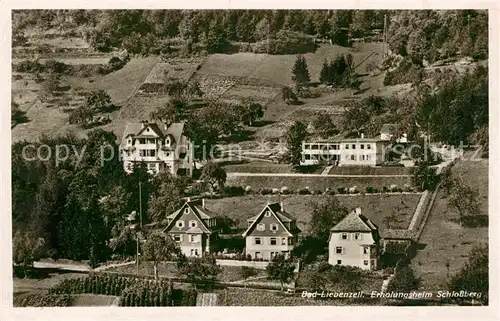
(237, 157)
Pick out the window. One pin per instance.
(357, 236)
(314, 147)
(306, 146)
(373, 263)
(274, 227)
(194, 238)
(129, 141)
(167, 141)
(338, 250)
(353, 146)
(368, 146)
(261, 227)
(365, 262)
(339, 262)
(257, 240)
(151, 141)
(151, 166)
(177, 238)
(362, 146)
(268, 213)
(142, 141)
(366, 250)
(273, 241)
(290, 241)
(344, 236)
(186, 210)
(192, 223)
(147, 153)
(346, 146)
(257, 255)
(180, 224)
(353, 157)
(283, 241)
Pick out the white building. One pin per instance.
(344, 152)
(354, 241)
(161, 147)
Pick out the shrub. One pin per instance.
(341, 190)
(285, 190)
(275, 191)
(233, 191)
(286, 42)
(369, 189)
(265, 191)
(304, 191)
(248, 189)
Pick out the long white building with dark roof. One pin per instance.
(160, 146)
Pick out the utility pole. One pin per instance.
(384, 37)
(138, 229)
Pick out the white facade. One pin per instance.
(161, 147)
(345, 152)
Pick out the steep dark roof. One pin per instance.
(281, 216)
(175, 130)
(198, 210)
(354, 222)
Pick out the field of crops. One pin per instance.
(375, 207)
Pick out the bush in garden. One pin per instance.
(284, 190)
(275, 191)
(265, 191)
(248, 189)
(385, 189)
(304, 191)
(341, 190)
(233, 191)
(393, 188)
(369, 189)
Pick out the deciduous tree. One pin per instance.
(281, 269)
(294, 137)
(159, 247)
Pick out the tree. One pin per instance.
(159, 247)
(16, 114)
(294, 137)
(424, 176)
(251, 112)
(324, 216)
(248, 272)
(281, 269)
(81, 115)
(174, 110)
(324, 125)
(465, 200)
(214, 174)
(473, 277)
(300, 72)
(26, 249)
(404, 280)
(51, 84)
(99, 101)
(165, 198)
(325, 74)
(355, 118)
(196, 269)
(288, 95)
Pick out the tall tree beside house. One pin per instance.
(26, 249)
(323, 124)
(174, 110)
(355, 118)
(281, 269)
(300, 72)
(324, 216)
(99, 101)
(214, 174)
(294, 137)
(159, 247)
(165, 198)
(474, 275)
(203, 135)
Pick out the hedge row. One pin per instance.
(240, 191)
(40, 299)
(95, 283)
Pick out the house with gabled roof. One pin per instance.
(271, 232)
(160, 146)
(354, 241)
(193, 227)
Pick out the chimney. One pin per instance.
(188, 199)
(282, 206)
(362, 135)
(357, 210)
(144, 123)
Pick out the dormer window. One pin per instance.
(192, 223)
(268, 213)
(167, 141)
(180, 224)
(274, 227)
(147, 130)
(186, 210)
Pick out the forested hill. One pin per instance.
(418, 34)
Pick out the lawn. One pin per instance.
(445, 241)
(315, 182)
(252, 297)
(258, 167)
(47, 279)
(375, 207)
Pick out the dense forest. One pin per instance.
(416, 34)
